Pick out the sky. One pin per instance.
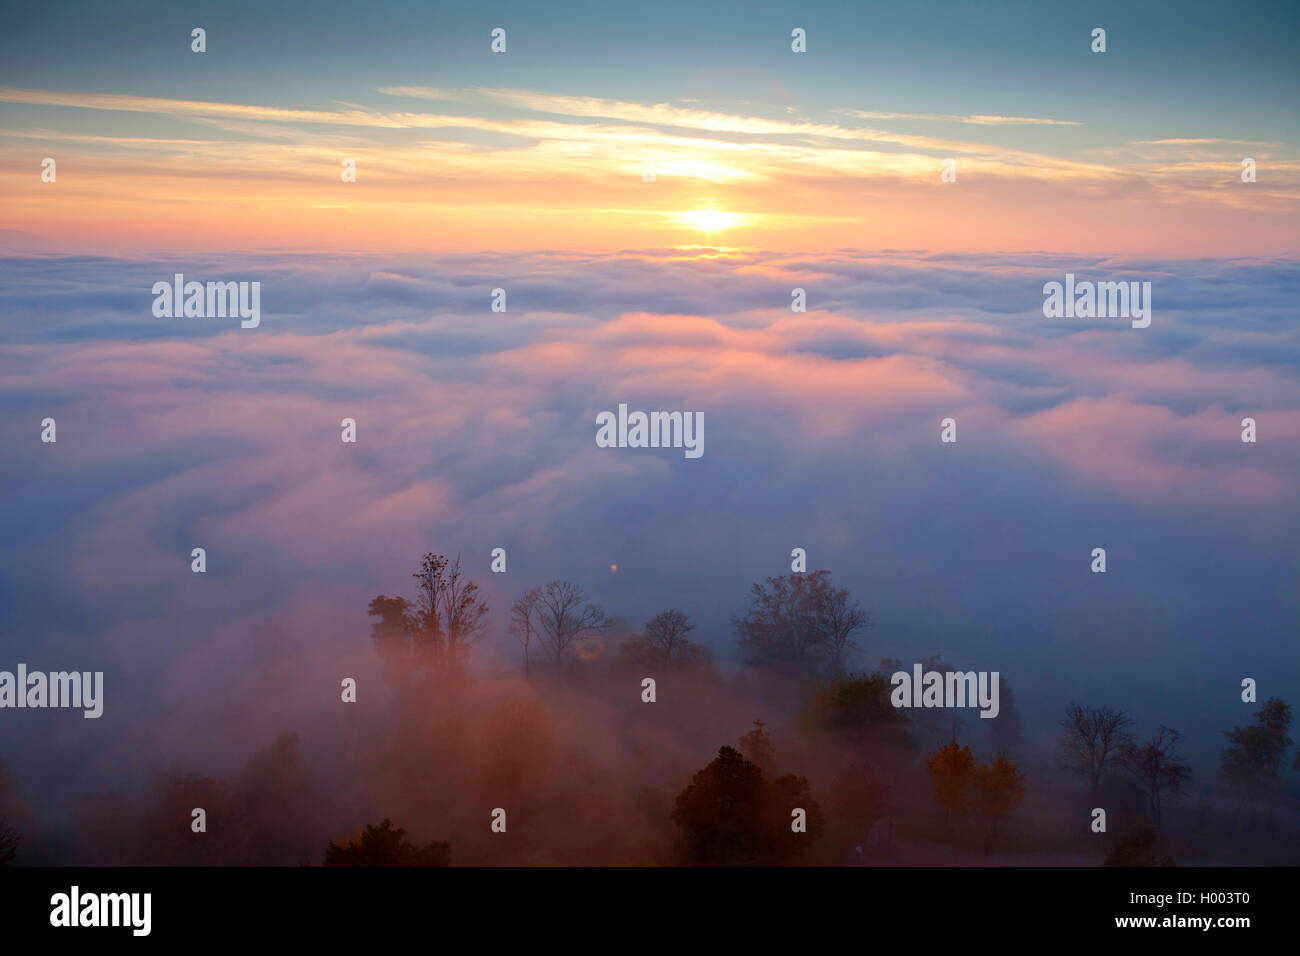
(1135, 150)
(524, 171)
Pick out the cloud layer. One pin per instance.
(476, 430)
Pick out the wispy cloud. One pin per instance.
(576, 164)
(1202, 142)
(975, 119)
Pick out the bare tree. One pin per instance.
(449, 615)
(463, 614)
(560, 614)
(418, 639)
(1156, 768)
(523, 614)
(840, 620)
(1092, 742)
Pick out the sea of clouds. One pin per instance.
(476, 430)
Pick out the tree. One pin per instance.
(522, 620)
(999, 788)
(447, 606)
(417, 640)
(8, 844)
(1254, 756)
(731, 816)
(1156, 768)
(854, 709)
(952, 772)
(1092, 741)
(757, 748)
(274, 802)
(394, 637)
(9, 803)
(801, 622)
(558, 615)
(1004, 729)
(169, 838)
(1137, 847)
(666, 645)
(385, 846)
(860, 795)
(840, 619)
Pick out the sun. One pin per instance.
(710, 220)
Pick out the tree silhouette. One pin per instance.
(523, 621)
(169, 838)
(1156, 768)
(1004, 729)
(999, 788)
(731, 816)
(417, 640)
(429, 636)
(666, 645)
(8, 844)
(860, 796)
(952, 772)
(1137, 847)
(757, 748)
(447, 607)
(385, 846)
(1254, 756)
(394, 636)
(1092, 741)
(9, 803)
(854, 710)
(800, 622)
(557, 615)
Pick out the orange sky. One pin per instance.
(572, 173)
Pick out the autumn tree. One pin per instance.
(801, 622)
(952, 773)
(666, 645)
(1092, 742)
(385, 846)
(731, 816)
(557, 615)
(999, 788)
(1254, 754)
(1156, 768)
